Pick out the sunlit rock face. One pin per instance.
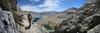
(96, 29)
(24, 22)
(7, 23)
(24, 19)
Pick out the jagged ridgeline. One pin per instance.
(8, 5)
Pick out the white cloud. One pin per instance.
(50, 5)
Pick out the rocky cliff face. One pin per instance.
(7, 23)
(8, 5)
(85, 21)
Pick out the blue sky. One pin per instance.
(48, 5)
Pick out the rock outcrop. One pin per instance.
(7, 23)
(8, 5)
(83, 21)
(96, 29)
